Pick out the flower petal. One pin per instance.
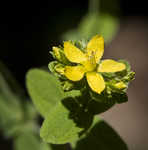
(110, 65)
(95, 81)
(73, 53)
(96, 47)
(74, 73)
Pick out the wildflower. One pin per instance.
(89, 64)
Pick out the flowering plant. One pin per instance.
(80, 87)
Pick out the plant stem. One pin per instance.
(94, 6)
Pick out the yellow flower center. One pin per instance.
(90, 63)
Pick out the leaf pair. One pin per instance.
(46, 95)
(65, 117)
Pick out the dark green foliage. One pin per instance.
(101, 137)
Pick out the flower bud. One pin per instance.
(120, 85)
(59, 55)
(60, 69)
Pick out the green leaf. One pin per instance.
(58, 128)
(101, 137)
(44, 90)
(30, 113)
(109, 26)
(10, 115)
(11, 112)
(29, 141)
(89, 25)
(108, 100)
(96, 107)
(92, 24)
(95, 120)
(104, 97)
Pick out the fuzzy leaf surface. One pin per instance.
(44, 90)
(58, 128)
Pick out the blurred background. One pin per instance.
(28, 30)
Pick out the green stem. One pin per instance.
(94, 6)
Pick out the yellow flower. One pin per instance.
(88, 63)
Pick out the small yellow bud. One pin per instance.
(56, 52)
(120, 85)
(60, 69)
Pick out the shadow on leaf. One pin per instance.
(78, 113)
(83, 108)
(110, 99)
(60, 146)
(99, 107)
(101, 137)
